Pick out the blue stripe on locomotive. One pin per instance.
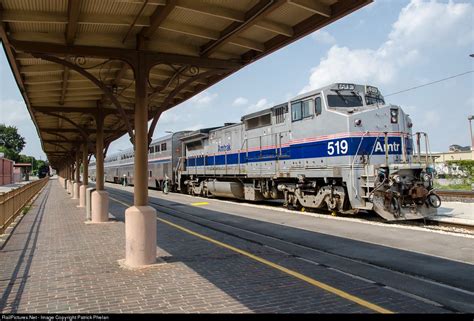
(305, 150)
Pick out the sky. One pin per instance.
(391, 44)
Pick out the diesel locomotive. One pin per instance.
(340, 148)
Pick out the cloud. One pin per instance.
(323, 37)
(240, 101)
(259, 105)
(420, 26)
(203, 98)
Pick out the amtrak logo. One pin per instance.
(223, 148)
(392, 147)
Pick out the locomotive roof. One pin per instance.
(198, 134)
(154, 141)
(257, 113)
(358, 87)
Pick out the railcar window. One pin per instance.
(345, 101)
(301, 109)
(306, 109)
(163, 147)
(296, 111)
(371, 100)
(318, 109)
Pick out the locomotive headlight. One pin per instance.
(371, 90)
(394, 116)
(358, 122)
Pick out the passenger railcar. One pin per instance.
(163, 156)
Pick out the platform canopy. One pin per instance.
(75, 60)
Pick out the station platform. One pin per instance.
(55, 263)
(461, 213)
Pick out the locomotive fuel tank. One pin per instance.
(226, 189)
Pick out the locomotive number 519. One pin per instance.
(339, 148)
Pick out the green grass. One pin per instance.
(26, 209)
(464, 186)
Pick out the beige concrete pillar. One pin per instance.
(85, 178)
(77, 179)
(71, 180)
(140, 219)
(65, 177)
(75, 195)
(68, 179)
(100, 198)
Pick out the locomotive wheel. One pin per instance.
(434, 200)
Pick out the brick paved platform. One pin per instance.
(54, 263)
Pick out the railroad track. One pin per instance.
(371, 217)
(464, 194)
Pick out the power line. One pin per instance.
(430, 83)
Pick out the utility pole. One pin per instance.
(470, 118)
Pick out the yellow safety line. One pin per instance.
(199, 203)
(295, 274)
(118, 201)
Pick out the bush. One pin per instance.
(466, 166)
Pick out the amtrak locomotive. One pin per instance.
(340, 148)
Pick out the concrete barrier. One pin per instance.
(82, 195)
(75, 191)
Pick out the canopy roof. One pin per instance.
(71, 58)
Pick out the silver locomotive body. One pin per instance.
(340, 148)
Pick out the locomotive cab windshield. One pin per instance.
(353, 96)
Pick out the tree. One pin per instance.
(10, 138)
(11, 143)
(9, 154)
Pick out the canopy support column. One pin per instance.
(70, 178)
(77, 180)
(85, 176)
(66, 176)
(140, 219)
(100, 198)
